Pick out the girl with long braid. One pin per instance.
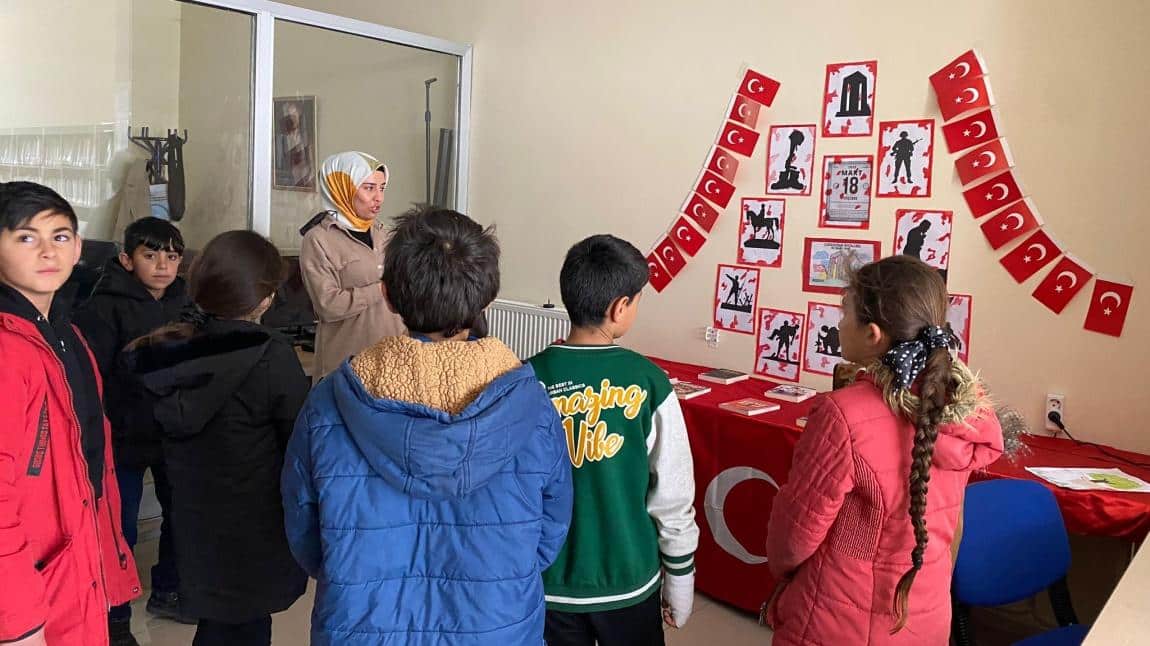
(873, 504)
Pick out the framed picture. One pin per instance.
(736, 296)
(905, 158)
(845, 200)
(848, 99)
(761, 231)
(958, 318)
(779, 344)
(790, 160)
(293, 164)
(824, 349)
(828, 262)
(924, 235)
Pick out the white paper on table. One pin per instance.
(1087, 479)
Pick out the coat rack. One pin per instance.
(165, 164)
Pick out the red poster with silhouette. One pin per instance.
(736, 297)
(849, 98)
(905, 158)
(761, 231)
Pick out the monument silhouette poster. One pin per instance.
(790, 159)
(958, 318)
(905, 158)
(848, 99)
(736, 297)
(779, 344)
(823, 348)
(828, 262)
(761, 231)
(845, 199)
(924, 235)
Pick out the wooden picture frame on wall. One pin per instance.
(294, 144)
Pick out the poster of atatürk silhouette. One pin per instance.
(828, 262)
(823, 348)
(958, 318)
(779, 344)
(924, 235)
(790, 160)
(905, 157)
(761, 231)
(848, 99)
(736, 296)
(845, 199)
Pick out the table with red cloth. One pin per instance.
(740, 462)
(1089, 513)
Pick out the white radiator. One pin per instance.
(526, 329)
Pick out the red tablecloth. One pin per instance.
(739, 463)
(1091, 513)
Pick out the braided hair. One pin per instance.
(905, 297)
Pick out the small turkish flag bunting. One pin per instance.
(992, 195)
(656, 273)
(701, 212)
(687, 236)
(976, 129)
(1062, 284)
(1016, 220)
(958, 72)
(966, 97)
(744, 111)
(670, 256)
(985, 161)
(1031, 256)
(759, 88)
(738, 139)
(1108, 307)
(715, 189)
(723, 164)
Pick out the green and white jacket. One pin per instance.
(634, 482)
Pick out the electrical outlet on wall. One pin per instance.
(711, 336)
(1055, 403)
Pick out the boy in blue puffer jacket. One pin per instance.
(427, 484)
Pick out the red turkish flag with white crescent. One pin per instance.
(738, 139)
(1016, 220)
(687, 236)
(966, 97)
(976, 129)
(1028, 258)
(1108, 307)
(961, 70)
(671, 258)
(657, 274)
(985, 161)
(724, 164)
(701, 212)
(715, 189)
(759, 88)
(989, 196)
(1062, 284)
(744, 111)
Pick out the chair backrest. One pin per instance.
(1014, 543)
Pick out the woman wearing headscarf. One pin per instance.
(341, 261)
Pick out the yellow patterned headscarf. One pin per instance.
(340, 177)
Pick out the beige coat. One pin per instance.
(343, 279)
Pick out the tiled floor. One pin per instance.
(711, 623)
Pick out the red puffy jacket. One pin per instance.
(63, 558)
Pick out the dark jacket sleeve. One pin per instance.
(98, 321)
(288, 387)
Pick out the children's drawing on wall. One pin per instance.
(761, 232)
(736, 296)
(905, 154)
(828, 262)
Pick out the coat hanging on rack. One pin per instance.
(165, 165)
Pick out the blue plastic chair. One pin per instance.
(1014, 545)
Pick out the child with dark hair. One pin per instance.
(427, 485)
(854, 527)
(62, 558)
(226, 391)
(138, 292)
(633, 526)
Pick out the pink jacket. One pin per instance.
(840, 531)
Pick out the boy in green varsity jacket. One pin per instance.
(633, 526)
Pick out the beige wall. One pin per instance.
(596, 117)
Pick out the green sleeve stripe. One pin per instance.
(677, 560)
(679, 571)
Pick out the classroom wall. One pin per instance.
(596, 117)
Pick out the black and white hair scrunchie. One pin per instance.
(908, 358)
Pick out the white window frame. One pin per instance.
(266, 14)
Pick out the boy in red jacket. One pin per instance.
(63, 561)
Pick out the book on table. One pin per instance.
(791, 392)
(723, 376)
(686, 390)
(749, 406)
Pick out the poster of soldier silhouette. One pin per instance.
(844, 202)
(761, 231)
(736, 297)
(779, 344)
(926, 236)
(828, 262)
(823, 348)
(790, 160)
(848, 99)
(958, 318)
(905, 158)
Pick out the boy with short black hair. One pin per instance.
(138, 293)
(62, 557)
(633, 522)
(426, 484)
